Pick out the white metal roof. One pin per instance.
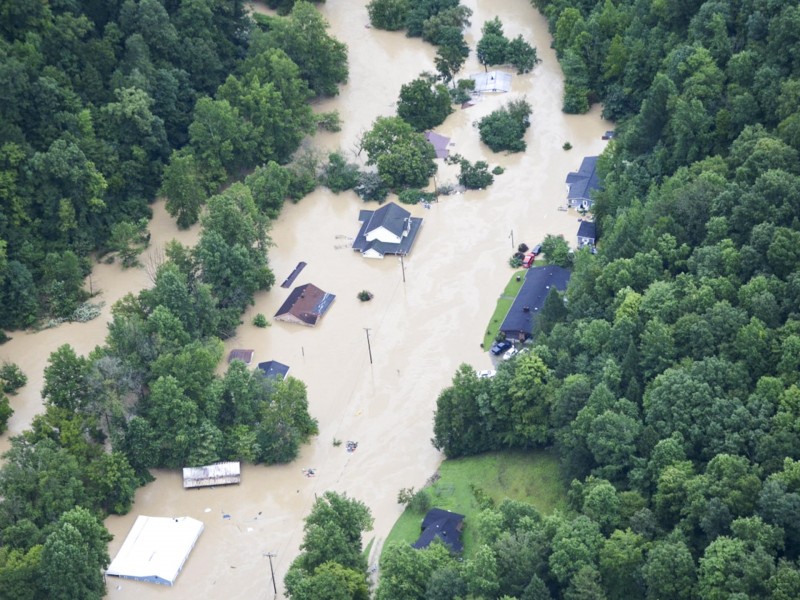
(223, 473)
(493, 81)
(156, 549)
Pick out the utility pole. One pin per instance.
(369, 348)
(512, 239)
(403, 267)
(272, 570)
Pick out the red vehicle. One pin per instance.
(527, 262)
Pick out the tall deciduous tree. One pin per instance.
(321, 58)
(423, 104)
(74, 557)
(404, 157)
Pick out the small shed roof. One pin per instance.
(305, 305)
(156, 549)
(224, 473)
(272, 369)
(442, 524)
(246, 356)
(439, 143)
(493, 81)
(530, 299)
(587, 229)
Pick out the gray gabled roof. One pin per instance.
(390, 216)
(587, 229)
(393, 218)
(583, 181)
(530, 299)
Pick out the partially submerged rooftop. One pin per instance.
(305, 305)
(156, 549)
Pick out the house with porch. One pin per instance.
(581, 184)
(389, 230)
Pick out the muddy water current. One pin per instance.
(420, 330)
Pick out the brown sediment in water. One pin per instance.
(420, 331)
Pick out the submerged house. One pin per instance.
(442, 524)
(305, 305)
(581, 184)
(521, 317)
(492, 81)
(224, 473)
(388, 230)
(243, 354)
(156, 549)
(273, 369)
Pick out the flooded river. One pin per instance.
(419, 330)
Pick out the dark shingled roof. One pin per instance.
(442, 524)
(394, 219)
(272, 368)
(529, 301)
(306, 303)
(584, 181)
(587, 229)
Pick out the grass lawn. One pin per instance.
(531, 477)
(503, 304)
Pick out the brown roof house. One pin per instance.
(305, 305)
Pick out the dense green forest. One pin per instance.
(668, 380)
(104, 104)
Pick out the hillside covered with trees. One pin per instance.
(106, 104)
(668, 383)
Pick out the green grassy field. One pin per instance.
(503, 304)
(531, 477)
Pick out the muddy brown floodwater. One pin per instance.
(420, 330)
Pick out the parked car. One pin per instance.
(487, 374)
(499, 347)
(536, 250)
(509, 353)
(527, 262)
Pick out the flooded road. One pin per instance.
(419, 330)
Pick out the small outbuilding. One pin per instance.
(389, 230)
(587, 234)
(156, 549)
(246, 356)
(442, 524)
(581, 184)
(305, 305)
(224, 473)
(521, 317)
(273, 369)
